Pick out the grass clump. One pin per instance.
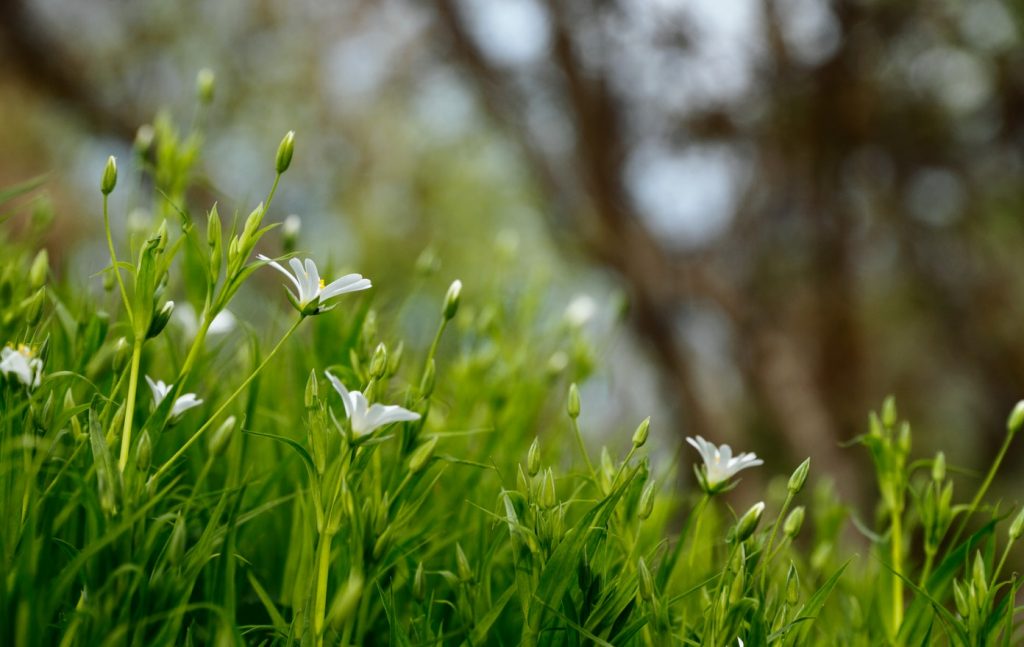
(337, 485)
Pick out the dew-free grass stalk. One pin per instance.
(114, 264)
(206, 425)
(896, 543)
(129, 413)
(980, 494)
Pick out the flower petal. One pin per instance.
(346, 397)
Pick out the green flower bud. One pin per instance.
(347, 600)
(799, 477)
(205, 85)
(312, 395)
(939, 468)
(1016, 419)
(422, 455)
(427, 382)
(451, 299)
(285, 152)
(792, 586)
(548, 495)
(640, 435)
(462, 562)
(32, 307)
(533, 458)
(889, 414)
(109, 180)
(522, 482)
(214, 238)
(794, 521)
(646, 505)
(1017, 527)
(395, 359)
(159, 320)
(290, 233)
(252, 224)
(144, 453)
(122, 351)
(573, 405)
(40, 268)
(747, 524)
(220, 438)
(379, 362)
(645, 580)
(978, 572)
(176, 542)
(962, 607)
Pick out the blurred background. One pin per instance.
(768, 214)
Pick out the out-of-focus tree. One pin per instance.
(810, 203)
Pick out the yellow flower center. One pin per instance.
(25, 350)
(321, 284)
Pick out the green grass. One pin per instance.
(262, 516)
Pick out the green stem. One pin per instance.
(1002, 562)
(896, 543)
(273, 190)
(583, 450)
(113, 259)
(929, 561)
(763, 563)
(323, 551)
(209, 421)
(984, 488)
(129, 412)
(434, 344)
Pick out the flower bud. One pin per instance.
(285, 152)
(222, 437)
(427, 382)
(792, 586)
(904, 438)
(794, 521)
(799, 477)
(379, 362)
(144, 453)
(533, 458)
(747, 524)
(205, 85)
(422, 455)
(451, 299)
(252, 224)
(395, 359)
(109, 180)
(176, 542)
(1016, 419)
(215, 240)
(1017, 527)
(645, 580)
(346, 602)
(159, 320)
(122, 351)
(573, 405)
(548, 496)
(40, 268)
(640, 435)
(960, 598)
(939, 468)
(522, 482)
(32, 307)
(312, 395)
(646, 504)
(144, 137)
(889, 414)
(462, 562)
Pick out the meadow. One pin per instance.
(174, 473)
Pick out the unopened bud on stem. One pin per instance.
(109, 180)
(285, 152)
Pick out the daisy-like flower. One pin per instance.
(311, 292)
(719, 464)
(22, 363)
(181, 405)
(366, 417)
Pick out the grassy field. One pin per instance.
(172, 473)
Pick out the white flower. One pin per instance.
(312, 292)
(181, 405)
(364, 416)
(580, 310)
(719, 463)
(23, 364)
(186, 317)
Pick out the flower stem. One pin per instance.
(323, 553)
(896, 543)
(209, 422)
(129, 412)
(113, 260)
(763, 564)
(980, 494)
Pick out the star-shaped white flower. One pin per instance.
(22, 364)
(181, 405)
(310, 290)
(364, 416)
(719, 463)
